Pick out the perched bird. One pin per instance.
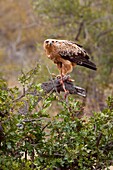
(66, 55)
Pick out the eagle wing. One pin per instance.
(75, 53)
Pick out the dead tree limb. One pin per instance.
(54, 85)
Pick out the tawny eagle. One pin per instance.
(67, 54)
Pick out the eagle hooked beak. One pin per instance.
(50, 43)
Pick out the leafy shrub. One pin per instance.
(31, 139)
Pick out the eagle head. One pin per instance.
(49, 42)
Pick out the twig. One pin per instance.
(46, 126)
(79, 30)
(104, 33)
(23, 95)
(98, 139)
(51, 78)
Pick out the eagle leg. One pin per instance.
(64, 88)
(63, 85)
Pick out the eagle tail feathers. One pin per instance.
(88, 64)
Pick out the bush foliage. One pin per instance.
(31, 139)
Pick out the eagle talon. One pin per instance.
(60, 76)
(53, 75)
(69, 79)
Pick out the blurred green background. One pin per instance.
(25, 24)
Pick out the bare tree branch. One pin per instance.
(79, 31)
(104, 33)
(54, 85)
